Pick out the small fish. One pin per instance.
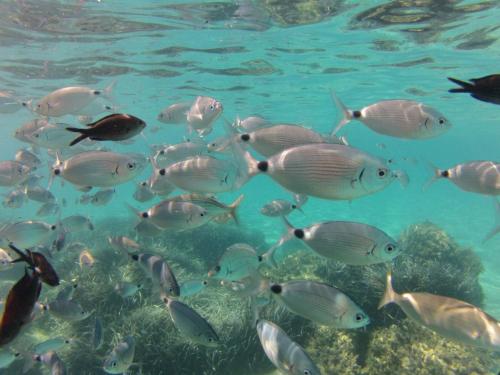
(251, 286)
(278, 207)
(86, 259)
(288, 356)
(39, 194)
(69, 100)
(102, 197)
(115, 127)
(486, 89)
(170, 154)
(27, 234)
(28, 158)
(328, 171)
(13, 172)
(143, 192)
(397, 118)
(192, 287)
(160, 272)
(24, 132)
(15, 199)
(77, 223)
(48, 209)
(53, 344)
(53, 362)
(19, 306)
(7, 358)
(96, 107)
(39, 263)
(122, 243)
(344, 241)
(191, 324)
(482, 177)
(121, 357)
(126, 289)
(60, 242)
(66, 293)
(449, 317)
(238, 261)
(68, 310)
(175, 113)
(98, 334)
(51, 136)
(100, 168)
(321, 303)
(203, 113)
(250, 124)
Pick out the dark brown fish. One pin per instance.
(40, 264)
(115, 127)
(486, 89)
(19, 306)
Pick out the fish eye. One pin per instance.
(382, 172)
(212, 107)
(114, 364)
(359, 317)
(441, 121)
(213, 144)
(217, 268)
(205, 282)
(307, 372)
(144, 183)
(210, 339)
(130, 165)
(390, 248)
(162, 152)
(202, 214)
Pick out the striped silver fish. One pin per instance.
(238, 261)
(121, 357)
(160, 273)
(13, 172)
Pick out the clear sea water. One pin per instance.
(278, 59)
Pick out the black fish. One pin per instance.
(19, 306)
(40, 264)
(115, 127)
(486, 89)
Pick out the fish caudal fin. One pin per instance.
(83, 135)
(233, 207)
(390, 295)
(496, 229)
(436, 174)
(346, 114)
(465, 86)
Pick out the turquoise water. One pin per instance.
(280, 60)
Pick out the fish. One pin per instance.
(143, 192)
(191, 324)
(121, 357)
(9, 103)
(147, 229)
(7, 358)
(192, 287)
(126, 289)
(39, 194)
(174, 215)
(51, 136)
(76, 223)
(5, 260)
(170, 154)
(27, 234)
(97, 334)
(202, 114)
(53, 344)
(28, 158)
(348, 242)
(481, 177)
(114, 127)
(321, 303)
(23, 133)
(449, 317)
(175, 113)
(19, 306)
(52, 361)
(31, 180)
(100, 168)
(250, 124)
(327, 171)
(238, 261)
(285, 354)
(160, 185)
(94, 108)
(486, 89)
(160, 272)
(102, 197)
(68, 310)
(66, 293)
(86, 259)
(13, 172)
(278, 207)
(253, 285)
(48, 209)
(397, 118)
(14, 199)
(69, 100)
(122, 243)
(60, 242)
(39, 263)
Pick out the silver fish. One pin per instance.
(160, 185)
(177, 152)
(250, 124)
(69, 100)
(278, 207)
(77, 223)
(126, 289)
(344, 241)
(52, 136)
(39, 194)
(238, 261)
(147, 229)
(53, 362)
(449, 317)
(24, 132)
(15, 199)
(48, 209)
(320, 303)
(397, 118)
(251, 286)
(143, 192)
(26, 234)
(160, 272)
(67, 310)
(32, 180)
(192, 287)
(94, 108)
(482, 177)
(102, 197)
(28, 158)
(100, 168)
(12, 172)
(122, 243)
(328, 171)
(203, 113)
(191, 324)
(121, 357)
(53, 344)
(285, 354)
(175, 113)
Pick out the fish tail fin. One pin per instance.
(268, 256)
(436, 174)
(81, 137)
(108, 90)
(496, 229)
(465, 86)
(233, 207)
(346, 113)
(22, 256)
(390, 295)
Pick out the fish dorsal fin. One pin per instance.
(92, 124)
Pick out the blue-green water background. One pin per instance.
(163, 52)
